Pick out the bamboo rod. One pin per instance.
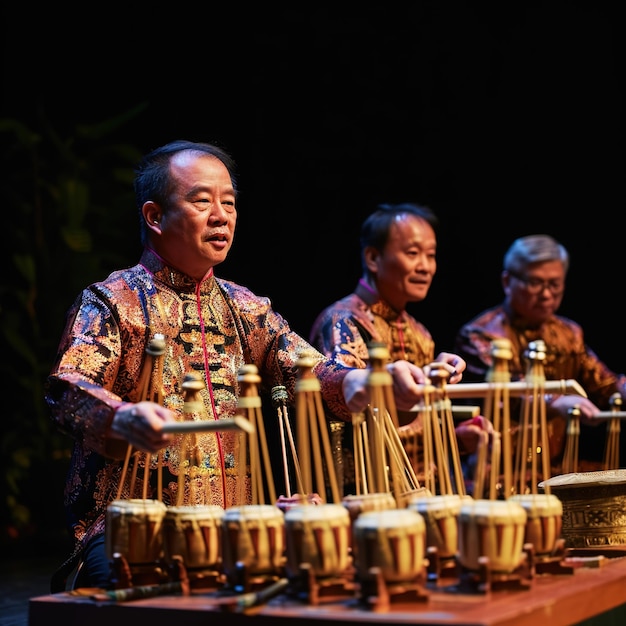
(249, 403)
(208, 426)
(397, 447)
(516, 388)
(500, 415)
(611, 453)
(570, 453)
(428, 445)
(150, 385)
(279, 399)
(314, 451)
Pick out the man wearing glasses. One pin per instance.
(533, 278)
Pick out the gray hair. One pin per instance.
(534, 249)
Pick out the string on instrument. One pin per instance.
(381, 462)
(440, 443)
(534, 446)
(279, 401)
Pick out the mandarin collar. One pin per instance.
(519, 323)
(380, 307)
(172, 277)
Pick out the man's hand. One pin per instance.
(469, 433)
(407, 381)
(141, 424)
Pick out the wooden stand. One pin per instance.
(440, 569)
(313, 590)
(485, 580)
(375, 593)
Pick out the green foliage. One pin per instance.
(69, 219)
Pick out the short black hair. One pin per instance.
(152, 174)
(375, 229)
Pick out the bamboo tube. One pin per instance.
(209, 426)
(313, 450)
(150, 387)
(279, 399)
(428, 445)
(611, 450)
(362, 454)
(570, 453)
(499, 413)
(516, 388)
(249, 404)
(192, 385)
(534, 420)
(380, 381)
(380, 385)
(610, 415)
(443, 434)
(396, 448)
(381, 462)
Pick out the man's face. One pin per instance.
(405, 268)
(198, 228)
(536, 294)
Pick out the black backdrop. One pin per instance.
(506, 118)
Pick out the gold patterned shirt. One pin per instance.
(212, 328)
(344, 329)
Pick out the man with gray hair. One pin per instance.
(533, 278)
(534, 249)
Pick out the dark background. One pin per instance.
(506, 118)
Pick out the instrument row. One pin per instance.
(366, 547)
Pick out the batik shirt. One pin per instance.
(567, 358)
(567, 355)
(343, 331)
(212, 328)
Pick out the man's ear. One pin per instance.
(151, 213)
(505, 280)
(371, 256)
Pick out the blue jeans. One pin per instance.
(95, 570)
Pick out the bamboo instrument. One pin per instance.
(249, 404)
(572, 440)
(279, 401)
(193, 407)
(534, 421)
(381, 462)
(611, 448)
(610, 415)
(312, 437)
(209, 426)
(516, 388)
(498, 411)
(442, 429)
(151, 388)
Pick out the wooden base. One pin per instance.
(595, 586)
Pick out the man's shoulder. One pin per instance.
(240, 293)
(563, 321)
(486, 318)
(343, 307)
(119, 279)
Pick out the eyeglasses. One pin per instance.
(537, 285)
